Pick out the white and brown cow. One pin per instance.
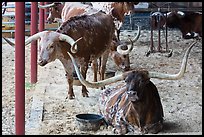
(134, 105)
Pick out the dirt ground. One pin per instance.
(181, 99)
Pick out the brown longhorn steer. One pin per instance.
(135, 105)
(94, 32)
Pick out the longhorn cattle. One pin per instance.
(117, 9)
(64, 11)
(189, 23)
(71, 9)
(94, 34)
(134, 105)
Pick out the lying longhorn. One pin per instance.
(135, 105)
(94, 34)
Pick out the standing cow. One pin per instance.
(134, 105)
(93, 35)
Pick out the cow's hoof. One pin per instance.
(85, 95)
(102, 88)
(71, 97)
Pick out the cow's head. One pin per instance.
(48, 43)
(55, 10)
(121, 61)
(120, 9)
(135, 83)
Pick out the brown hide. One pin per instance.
(97, 31)
(141, 112)
(190, 22)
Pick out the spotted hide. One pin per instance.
(134, 106)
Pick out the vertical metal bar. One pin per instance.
(166, 30)
(20, 68)
(46, 10)
(131, 21)
(41, 18)
(159, 32)
(151, 38)
(34, 29)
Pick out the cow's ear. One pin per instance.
(130, 76)
(126, 79)
(144, 81)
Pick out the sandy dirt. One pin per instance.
(181, 99)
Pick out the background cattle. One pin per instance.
(189, 23)
(117, 9)
(62, 12)
(134, 105)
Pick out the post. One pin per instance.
(158, 19)
(46, 10)
(151, 37)
(41, 18)
(34, 29)
(20, 68)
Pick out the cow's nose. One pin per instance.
(42, 62)
(131, 93)
(132, 96)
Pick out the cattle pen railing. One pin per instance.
(138, 14)
(8, 21)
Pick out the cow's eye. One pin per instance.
(51, 47)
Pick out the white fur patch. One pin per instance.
(188, 34)
(180, 13)
(199, 13)
(195, 34)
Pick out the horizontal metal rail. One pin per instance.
(27, 30)
(13, 14)
(13, 6)
(13, 22)
(167, 9)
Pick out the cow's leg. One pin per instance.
(127, 62)
(104, 60)
(84, 69)
(69, 76)
(95, 69)
(120, 124)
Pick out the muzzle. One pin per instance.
(42, 62)
(132, 96)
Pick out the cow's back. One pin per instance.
(96, 31)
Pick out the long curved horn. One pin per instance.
(9, 42)
(59, 36)
(129, 44)
(69, 40)
(46, 6)
(27, 41)
(99, 83)
(179, 74)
